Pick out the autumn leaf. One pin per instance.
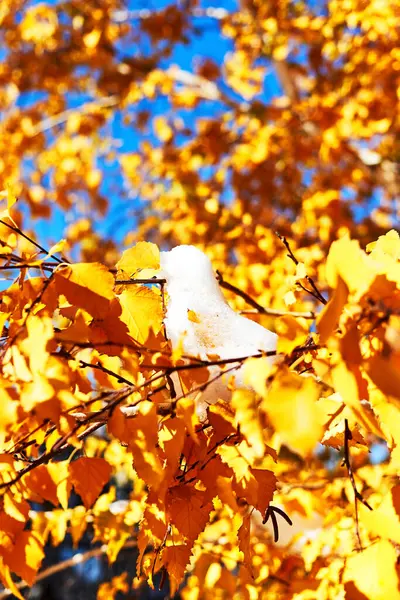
(89, 476)
(188, 511)
(328, 319)
(292, 406)
(176, 558)
(316, 161)
(141, 311)
(143, 256)
(143, 443)
(372, 572)
(89, 286)
(247, 417)
(41, 483)
(25, 556)
(244, 539)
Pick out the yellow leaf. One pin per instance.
(289, 298)
(7, 580)
(347, 261)
(15, 506)
(256, 372)
(386, 244)
(78, 524)
(59, 472)
(383, 521)
(280, 52)
(247, 418)
(40, 332)
(373, 573)
(11, 200)
(87, 285)
(328, 319)
(59, 247)
(89, 476)
(192, 316)
(92, 39)
(301, 272)
(347, 381)
(292, 407)
(144, 255)
(141, 311)
(143, 445)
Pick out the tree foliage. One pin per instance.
(294, 196)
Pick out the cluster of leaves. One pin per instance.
(84, 347)
(87, 397)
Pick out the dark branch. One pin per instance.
(314, 290)
(357, 495)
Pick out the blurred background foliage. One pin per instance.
(212, 124)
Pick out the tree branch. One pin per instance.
(260, 309)
(77, 559)
(357, 495)
(314, 290)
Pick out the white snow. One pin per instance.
(200, 320)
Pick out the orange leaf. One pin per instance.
(87, 285)
(40, 482)
(244, 542)
(188, 510)
(175, 559)
(385, 375)
(329, 317)
(89, 476)
(257, 487)
(143, 444)
(26, 555)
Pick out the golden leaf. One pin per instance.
(144, 255)
(373, 573)
(292, 407)
(87, 285)
(247, 417)
(143, 444)
(244, 539)
(328, 319)
(141, 311)
(26, 555)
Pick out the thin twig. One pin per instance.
(260, 309)
(314, 290)
(100, 367)
(29, 239)
(357, 495)
(139, 281)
